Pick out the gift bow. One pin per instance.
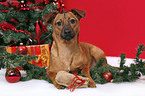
(42, 57)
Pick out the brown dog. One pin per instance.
(67, 53)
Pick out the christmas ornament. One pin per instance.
(22, 6)
(3, 0)
(42, 26)
(38, 32)
(46, 1)
(12, 75)
(59, 4)
(62, 6)
(107, 75)
(22, 49)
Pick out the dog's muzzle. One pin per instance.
(67, 34)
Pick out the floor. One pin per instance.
(43, 88)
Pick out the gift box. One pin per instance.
(42, 51)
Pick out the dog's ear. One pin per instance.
(48, 18)
(78, 13)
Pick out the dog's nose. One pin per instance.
(67, 31)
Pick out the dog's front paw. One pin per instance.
(92, 84)
(58, 86)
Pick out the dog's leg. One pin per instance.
(95, 52)
(52, 75)
(86, 72)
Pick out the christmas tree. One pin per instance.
(21, 22)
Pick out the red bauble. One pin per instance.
(12, 75)
(3, 0)
(107, 75)
(22, 49)
(22, 5)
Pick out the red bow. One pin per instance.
(75, 82)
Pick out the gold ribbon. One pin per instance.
(42, 57)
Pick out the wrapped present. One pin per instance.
(42, 51)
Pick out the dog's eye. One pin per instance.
(72, 21)
(58, 23)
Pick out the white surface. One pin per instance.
(43, 88)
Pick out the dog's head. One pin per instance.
(65, 25)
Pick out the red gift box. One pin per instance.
(42, 51)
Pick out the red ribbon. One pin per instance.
(14, 29)
(5, 10)
(74, 82)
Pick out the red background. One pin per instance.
(116, 26)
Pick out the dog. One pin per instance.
(67, 53)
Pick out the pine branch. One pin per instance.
(140, 50)
(122, 62)
(124, 73)
(35, 72)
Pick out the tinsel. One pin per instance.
(14, 29)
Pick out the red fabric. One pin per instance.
(116, 26)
